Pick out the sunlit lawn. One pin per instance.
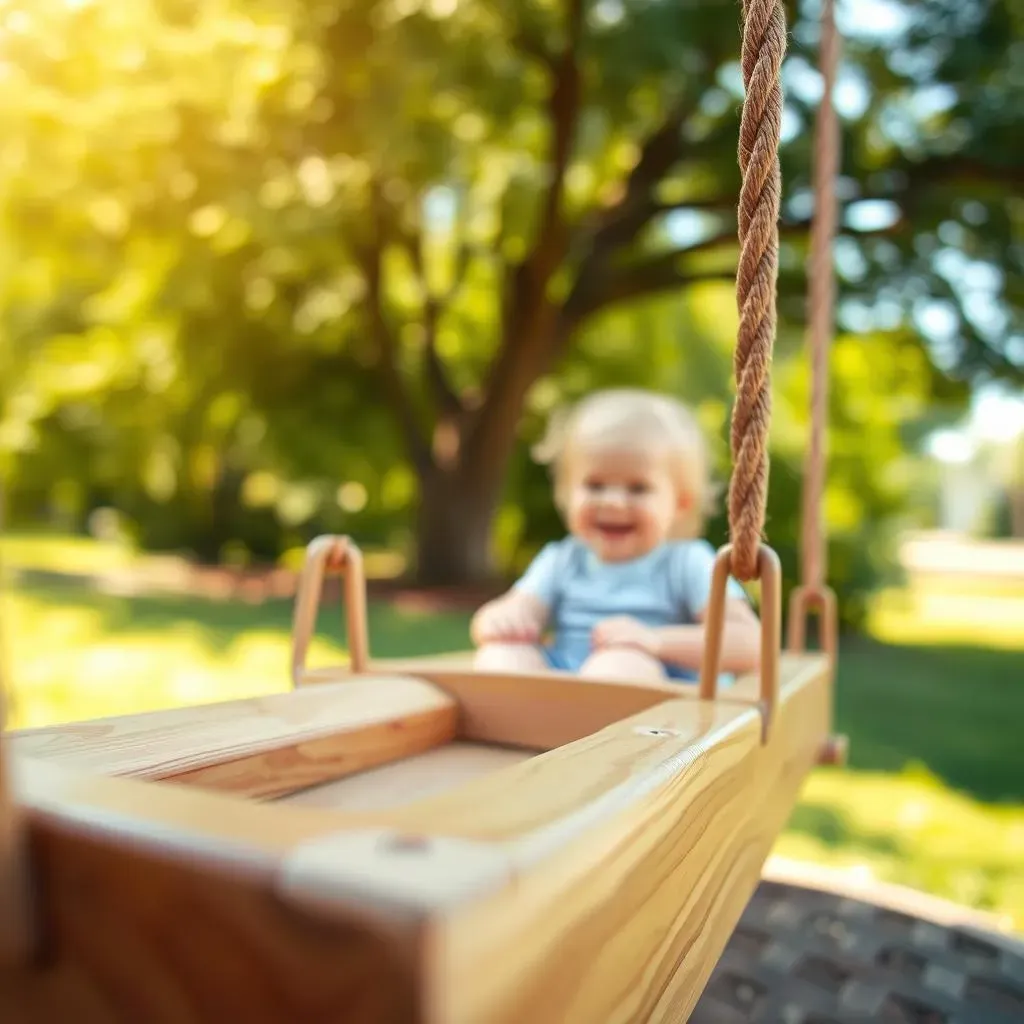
(933, 704)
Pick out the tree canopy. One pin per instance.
(274, 267)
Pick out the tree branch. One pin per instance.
(437, 376)
(463, 256)
(607, 285)
(433, 309)
(618, 225)
(528, 43)
(563, 114)
(462, 259)
(958, 170)
(900, 226)
(620, 222)
(637, 206)
(668, 270)
(718, 204)
(530, 315)
(643, 281)
(635, 280)
(371, 258)
(625, 228)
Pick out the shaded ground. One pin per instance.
(956, 709)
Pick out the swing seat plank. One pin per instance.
(258, 746)
(451, 670)
(596, 880)
(278, 744)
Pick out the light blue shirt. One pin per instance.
(668, 586)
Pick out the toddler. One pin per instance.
(626, 592)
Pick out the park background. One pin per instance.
(272, 269)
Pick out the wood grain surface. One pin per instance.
(262, 746)
(136, 937)
(452, 670)
(410, 780)
(631, 869)
(594, 883)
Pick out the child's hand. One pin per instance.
(623, 631)
(506, 621)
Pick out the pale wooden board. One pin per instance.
(166, 814)
(620, 916)
(412, 779)
(138, 933)
(746, 688)
(448, 668)
(259, 746)
(545, 711)
(456, 661)
(598, 882)
(535, 711)
(546, 790)
(16, 924)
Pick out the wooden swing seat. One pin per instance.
(414, 842)
(444, 846)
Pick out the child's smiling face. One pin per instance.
(621, 503)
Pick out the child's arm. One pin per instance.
(684, 645)
(516, 617)
(741, 640)
(521, 614)
(741, 628)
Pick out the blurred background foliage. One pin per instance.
(274, 268)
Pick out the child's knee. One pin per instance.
(625, 664)
(509, 657)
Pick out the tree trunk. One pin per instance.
(453, 529)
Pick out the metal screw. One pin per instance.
(407, 844)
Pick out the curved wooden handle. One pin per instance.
(804, 600)
(326, 554)
(769, 571)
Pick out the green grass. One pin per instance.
(76, 653)
(955, 709)
(933, 796)
(912, 829)
(63, 554)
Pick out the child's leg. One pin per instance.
(519, 658)
(623, 665)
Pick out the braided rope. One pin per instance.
(764, 46)
(821, 300)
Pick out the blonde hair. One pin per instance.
(631, 418)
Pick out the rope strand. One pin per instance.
(821, 302)
(764, 46)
